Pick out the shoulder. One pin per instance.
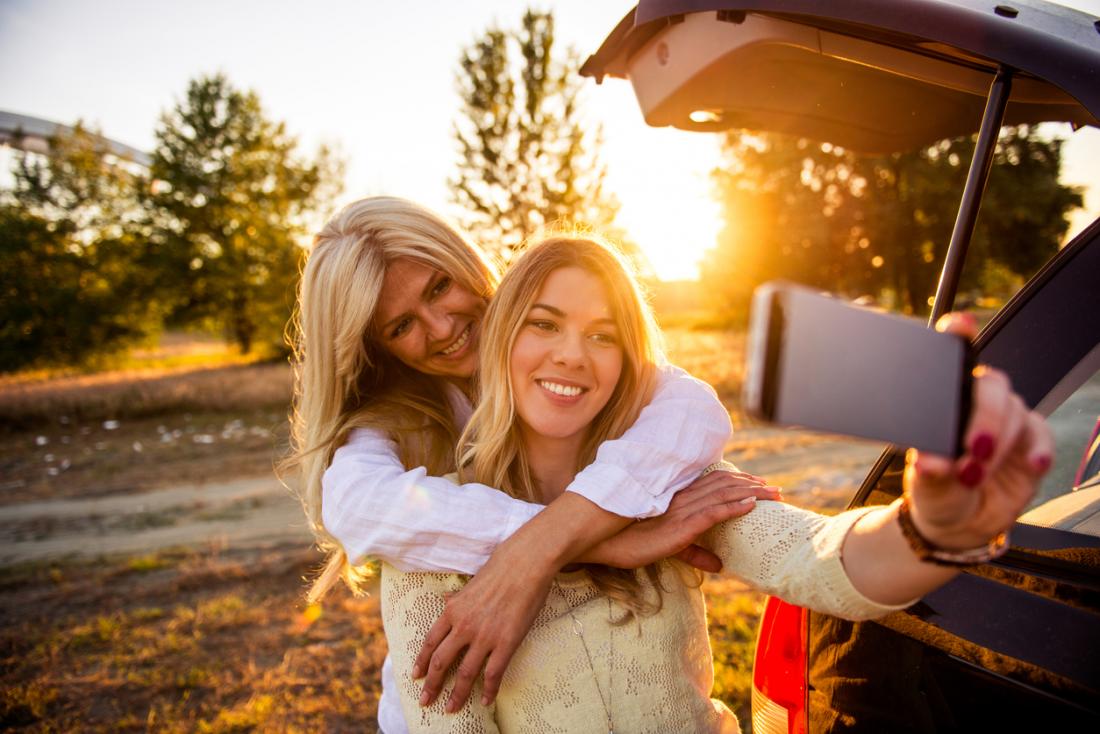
(363, 442)
(676, 382)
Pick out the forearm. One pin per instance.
(882, 566)
(376, 508)
(570, 530)
(682, 430)
(801, 557)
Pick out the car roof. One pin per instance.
(870, 75)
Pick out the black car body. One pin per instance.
(1012, 645)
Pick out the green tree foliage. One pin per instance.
(70, 273)
(230, 202)
(526, 158)
(880, 226)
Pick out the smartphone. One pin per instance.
(822, 363)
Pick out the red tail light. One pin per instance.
(779, 673)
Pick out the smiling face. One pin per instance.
(566, 359)
(428, 320)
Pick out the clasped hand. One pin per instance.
(963, 504)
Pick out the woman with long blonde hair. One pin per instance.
(388, 325)
(568, 354)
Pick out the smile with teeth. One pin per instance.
(569, 391)
(459, 342)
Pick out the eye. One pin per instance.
(442, 286)
(604, 338)
(543, 325)
(401, 327)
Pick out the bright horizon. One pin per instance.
(376, 80)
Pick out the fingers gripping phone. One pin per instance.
(819, 362)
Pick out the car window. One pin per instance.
(1069, 498)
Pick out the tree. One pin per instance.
(526, 159)
(70, 273)
(880, 226)
(229, 203)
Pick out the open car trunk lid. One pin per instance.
(867, 75)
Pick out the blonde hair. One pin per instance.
(490, 449)
(343, 378)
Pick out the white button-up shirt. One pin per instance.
(377, 508)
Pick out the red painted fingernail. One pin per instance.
(1041, 463)
(970, 319)
(971, 474)
(982, 447)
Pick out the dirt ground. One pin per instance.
(213, 640)
(257, 510)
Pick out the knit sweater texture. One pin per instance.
(654, 673)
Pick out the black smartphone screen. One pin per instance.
(832, 366)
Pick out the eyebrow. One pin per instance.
(423, 296)
(561, 314)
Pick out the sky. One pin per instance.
(377, 80)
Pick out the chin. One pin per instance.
(559, 431)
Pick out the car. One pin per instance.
(1009, 645)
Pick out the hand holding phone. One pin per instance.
(822, 363)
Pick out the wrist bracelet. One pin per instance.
(925, 550)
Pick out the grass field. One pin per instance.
(209, 637)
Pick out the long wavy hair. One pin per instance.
(491, 449)
(343, 378)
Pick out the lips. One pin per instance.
(563, 390)
(458, 344)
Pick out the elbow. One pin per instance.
(330, 515)
(720, 419)
(719, 427)
(865, 615)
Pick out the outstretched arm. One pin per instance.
(860, 564)
(378, 509)
(955, 505)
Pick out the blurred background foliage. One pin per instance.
(879, 226)
(99, 252)
(527, 161)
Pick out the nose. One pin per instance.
(437, 322)
(569, 351)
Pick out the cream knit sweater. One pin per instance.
(657, 669)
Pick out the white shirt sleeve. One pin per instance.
(682, 431)
(415, 522)
(376, 508)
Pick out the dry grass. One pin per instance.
(191, 643)
(733, 612)
(133, 394)
(717, 357)
(207, 642)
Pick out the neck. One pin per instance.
(553, 462)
